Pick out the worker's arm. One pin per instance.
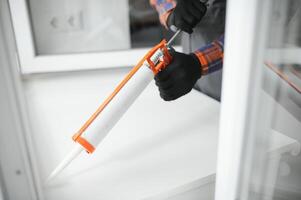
(184, 14)
(211, 56)
(182, 73)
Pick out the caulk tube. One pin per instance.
(115, 109)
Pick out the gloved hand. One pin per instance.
(187, 14)
(179, 77)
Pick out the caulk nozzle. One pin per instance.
(67, 160)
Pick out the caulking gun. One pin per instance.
(116, 104)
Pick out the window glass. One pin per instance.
(272, 152)
(81, 26)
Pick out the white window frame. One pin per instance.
(245, 41)
(30, 62)
(1, 193)
(20, 177)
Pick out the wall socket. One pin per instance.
(67, 23)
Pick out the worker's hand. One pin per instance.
(187, 14)
(179, 77)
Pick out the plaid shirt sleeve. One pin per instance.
(164, 8)
(211, 56)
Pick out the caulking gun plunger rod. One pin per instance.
(173, 38)
(116, 105)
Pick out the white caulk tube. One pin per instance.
(118, 106)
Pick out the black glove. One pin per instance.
(187, 14)
(179, 77)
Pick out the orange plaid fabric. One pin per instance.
(211, 56)
(164, 8)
